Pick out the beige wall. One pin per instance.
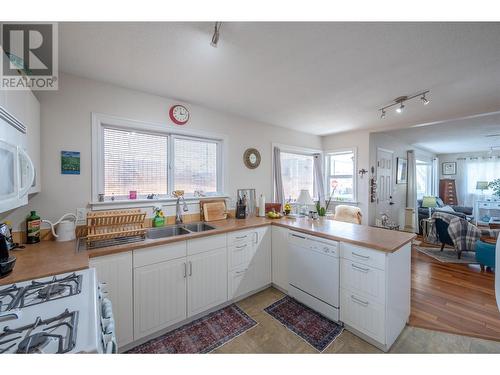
(66, 125)
(360, 140)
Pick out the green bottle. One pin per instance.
(33, 228)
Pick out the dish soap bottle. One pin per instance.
(159, 219)
(33, 228)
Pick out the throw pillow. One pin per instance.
(446, 209)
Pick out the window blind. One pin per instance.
(134, 161)
(195, 165)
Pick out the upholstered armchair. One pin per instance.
(423, 213)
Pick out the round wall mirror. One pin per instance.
(251, 158)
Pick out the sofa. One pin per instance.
(423, 212)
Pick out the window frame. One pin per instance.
(295, 150)
(327, 155)
(102, 121)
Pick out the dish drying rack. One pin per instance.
(108, 225)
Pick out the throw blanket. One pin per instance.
(463, 234)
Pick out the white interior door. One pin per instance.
(385, 173)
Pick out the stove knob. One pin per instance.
(108, 325)
(106, 308)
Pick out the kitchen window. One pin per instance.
(147, 160)
(297, 173)
(340, 175)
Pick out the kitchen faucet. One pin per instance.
(178, 213)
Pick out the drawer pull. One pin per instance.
(360, 256)
(357, 268)
(242, 246)
(296, 235)
(240, 272)
(241, 237)
(361, 302)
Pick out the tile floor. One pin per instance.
(269, 336)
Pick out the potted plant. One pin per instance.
(495, 186)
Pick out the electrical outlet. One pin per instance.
(81, 214)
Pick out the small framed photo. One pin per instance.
(449, 168)
(401, 171)
(70, 162)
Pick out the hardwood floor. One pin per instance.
(453, 298)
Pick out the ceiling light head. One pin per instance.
(401, 108)
(382, 115)
(215, 36)
(424, 100)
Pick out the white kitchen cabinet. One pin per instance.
(375, 292)
(16, 103)
(159, 296)
(259, 268)
(116, 271)
(207, 280)
(250, 261)
(280, 257)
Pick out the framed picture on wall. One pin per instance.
(449, 168)
(401, 171)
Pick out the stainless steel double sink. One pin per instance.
(177, 230)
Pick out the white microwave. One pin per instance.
(16, 168)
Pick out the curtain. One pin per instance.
(318, 179)
(411, 186)
(278, 181)
(435, 177)
(478, 169)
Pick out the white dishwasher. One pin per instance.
(314, 273)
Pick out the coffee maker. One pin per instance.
(7, 261)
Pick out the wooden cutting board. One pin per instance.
(214, 211)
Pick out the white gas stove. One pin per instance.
(66, 313)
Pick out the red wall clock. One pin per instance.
(179, 114)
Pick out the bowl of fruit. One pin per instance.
(274, 215)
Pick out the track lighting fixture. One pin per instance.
(399, 101)
(215, 37)
(401, 108)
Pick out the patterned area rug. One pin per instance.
(202, 335)
(448, 255)
(314, 328)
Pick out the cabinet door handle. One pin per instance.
(190, 268)
(360, 268)
(256, 237)
(361, 302)
(242, 246)
(360, 256)
(185, 269)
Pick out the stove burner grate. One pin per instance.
(43, 291)
(61, 328)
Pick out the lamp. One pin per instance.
(304, 200)
(482, 185)
(430, 203)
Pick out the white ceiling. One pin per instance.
(319, 78)
(477, 133)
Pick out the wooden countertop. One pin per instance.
(375, 238)
(44, 259)
(51, 258)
